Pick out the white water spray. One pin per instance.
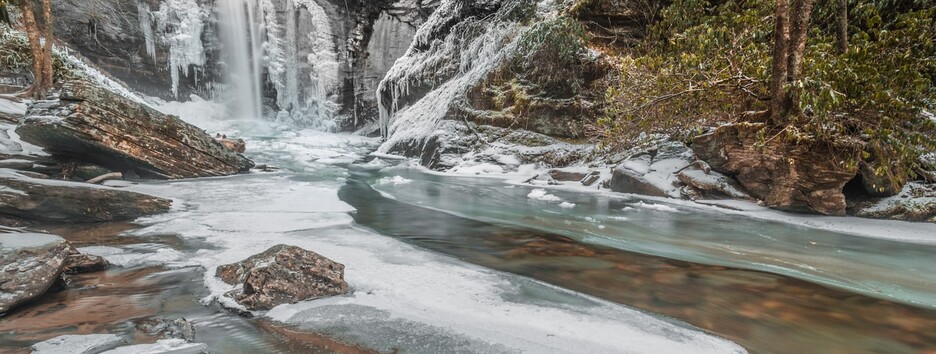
(242, 36)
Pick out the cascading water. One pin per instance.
(242, 36)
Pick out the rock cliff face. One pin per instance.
(798, 176)
(326, 56)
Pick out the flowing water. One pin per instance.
(451, 264)
(243, 37)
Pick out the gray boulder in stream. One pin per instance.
(283, 274)
(29, 265)
(92, 124)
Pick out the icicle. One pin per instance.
(146, 26)
(180, 22)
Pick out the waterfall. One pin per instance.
(242, 36)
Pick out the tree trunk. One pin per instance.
(35, 45)
(779, 68)
(841, 26)
(801, 12)
(47, 73)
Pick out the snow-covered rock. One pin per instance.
(652, 173)
(915, 202)
(78, 344)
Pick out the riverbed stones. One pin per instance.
(282, 274)
(91, 124)
(70, 202)
(788, 174)
(29, 265)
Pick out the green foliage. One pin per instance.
(15, 55)
(701, 64)
(552, 53)
(704, 63)
(5, 14)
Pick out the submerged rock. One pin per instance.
(803, 175)
(70, 202)
(179, 328)
(78, 344)
(283, 274)
(91, 124)
(29, 265)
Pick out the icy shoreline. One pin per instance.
(892, 230)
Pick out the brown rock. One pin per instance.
(91, 124)
(283, 274)
(564, 176)
(804, 175)
(29, 265)
(238, 146)
(78, 262)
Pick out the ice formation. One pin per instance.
(181, 23)
(473, 59)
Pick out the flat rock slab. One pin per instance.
(50, 200)
(165, 346)
(283, 274)
(29, 265)
(78, 344)
(91, 124)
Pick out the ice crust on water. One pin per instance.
(395, 180)
(541, 194)
(402, 296)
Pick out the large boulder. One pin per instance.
(29, 265)
(283, 274)
(805, 175)
(91, 124)
(59, 201)
(652, 172)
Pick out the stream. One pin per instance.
(466, 264)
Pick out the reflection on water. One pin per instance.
(763, 312)
(878, 268)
